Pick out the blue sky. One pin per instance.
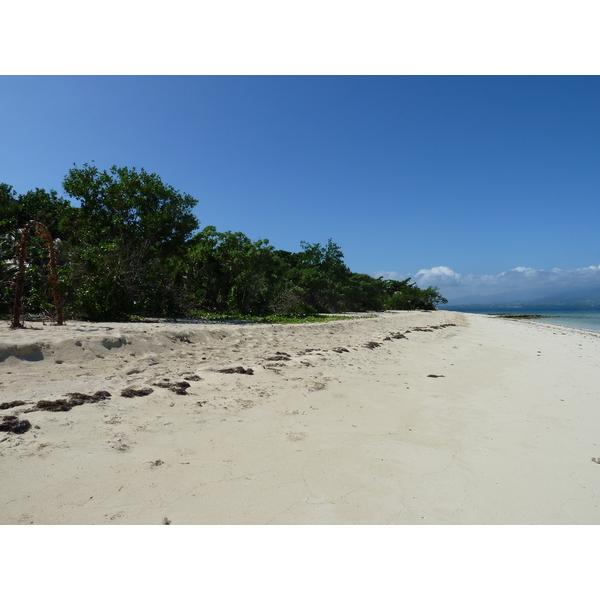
(475, 184)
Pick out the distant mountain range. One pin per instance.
(571, 297)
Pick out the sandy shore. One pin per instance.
(461, 419)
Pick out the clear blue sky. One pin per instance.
(479, 175)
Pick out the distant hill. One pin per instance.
(584, 297)
(589, 296)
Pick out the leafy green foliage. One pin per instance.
(227, 272)
(133, 229)
(270, 319)
(126, 206)
(15, 211)
(133, 247)
(8, 272)
(414, 298)
(312, 280)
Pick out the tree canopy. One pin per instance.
(133, 229)
(131, 206)
(133, 247)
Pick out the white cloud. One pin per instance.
(524, 270)
(438, 274)
(520, 283)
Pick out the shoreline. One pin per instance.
(405, 418)
(584, 318)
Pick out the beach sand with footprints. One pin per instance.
(403, 418)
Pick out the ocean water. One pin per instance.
(579, 317)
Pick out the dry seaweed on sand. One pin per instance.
(61, 405)
(239, 370)
(75, 399)
(87, 398)
(398, 336)
(179, 387)
(130, 392)
(14, 424)
(7, 405)
(192, 377)
(372, 345)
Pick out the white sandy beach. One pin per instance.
(504, 434)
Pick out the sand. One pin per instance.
(461, 419)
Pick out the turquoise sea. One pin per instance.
(580, 317)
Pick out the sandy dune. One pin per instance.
(454, 418)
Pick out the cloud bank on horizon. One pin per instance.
(521, 284)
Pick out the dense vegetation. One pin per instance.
(133, 247)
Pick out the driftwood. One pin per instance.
(41, 231)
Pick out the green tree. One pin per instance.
(363, 292)
(128, 249)
(16, 210)
(410, 297)
(132, 230)
(126, 205)
(9, 208)
(8, 226)
(227, 272)
(321, 274)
